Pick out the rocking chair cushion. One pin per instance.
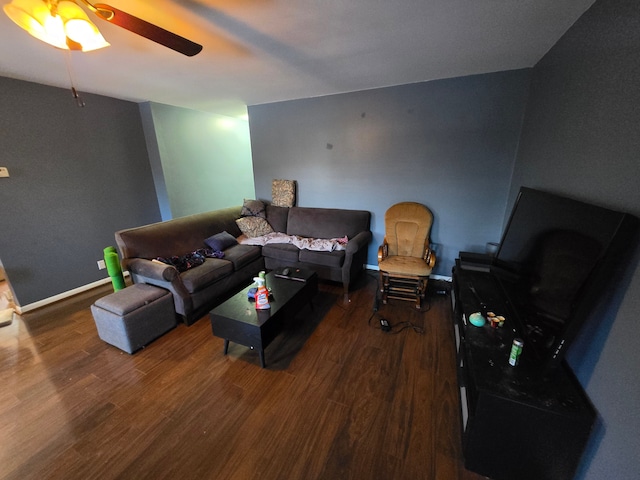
(405, 266)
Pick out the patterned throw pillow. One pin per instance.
(283, 193)
(253, 208)
(254, 226)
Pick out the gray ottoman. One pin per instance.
(134, 316)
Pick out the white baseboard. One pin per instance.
(432, 277)
(444, 278)
(61, 296)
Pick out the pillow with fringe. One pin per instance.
(253, 208)
(254, 226)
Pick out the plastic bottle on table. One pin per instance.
(262, 295)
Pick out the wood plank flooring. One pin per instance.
(339, 399)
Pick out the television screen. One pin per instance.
(555, 258)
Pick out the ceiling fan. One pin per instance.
(145, 29)
(35, 16)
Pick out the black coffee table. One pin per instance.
(237, 320)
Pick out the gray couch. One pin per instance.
(339, 265)
(196, 290)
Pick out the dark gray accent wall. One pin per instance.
(581, 138)
(76, 176)
(448, 144)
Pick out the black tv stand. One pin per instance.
(517, 422)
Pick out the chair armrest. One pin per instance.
(429, 257)
(383, 251)
(361, 240)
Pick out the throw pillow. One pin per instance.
(253, 208)
(254, 226)
(221, 241)
(283, 193)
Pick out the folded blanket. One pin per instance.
(316, 244)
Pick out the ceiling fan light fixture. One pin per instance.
(79, 29)
(29, 15)
(67, 27)
(54, 31)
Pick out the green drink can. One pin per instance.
(516, 351)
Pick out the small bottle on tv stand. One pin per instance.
(516, 351)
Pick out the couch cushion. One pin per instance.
(327, 222)
(210, 271)
(329, 259)
(241, 255)
(176, 236)
(277, 218)
(284, 253)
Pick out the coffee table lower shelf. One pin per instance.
(237, 320)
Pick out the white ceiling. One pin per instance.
(261, 51)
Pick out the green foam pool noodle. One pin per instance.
(112, 262)
(118, 283)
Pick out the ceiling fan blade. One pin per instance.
(147, 30)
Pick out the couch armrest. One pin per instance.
(362, 239)
(150, 269)
(163, 276)
(356, 248)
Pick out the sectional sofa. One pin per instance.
(156, 254)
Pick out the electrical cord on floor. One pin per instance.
(393, 329)
(385, 325)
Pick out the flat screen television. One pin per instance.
(556, 259)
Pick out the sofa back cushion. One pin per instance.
(327, 222)
(277, 218)
(177, 236)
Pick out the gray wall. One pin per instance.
(77, 176)
(449, 144)
(581, 138)
(200, 161)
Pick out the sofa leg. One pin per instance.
(345, 293)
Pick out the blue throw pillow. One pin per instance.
(221, 241)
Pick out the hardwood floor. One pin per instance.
(339, 399)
